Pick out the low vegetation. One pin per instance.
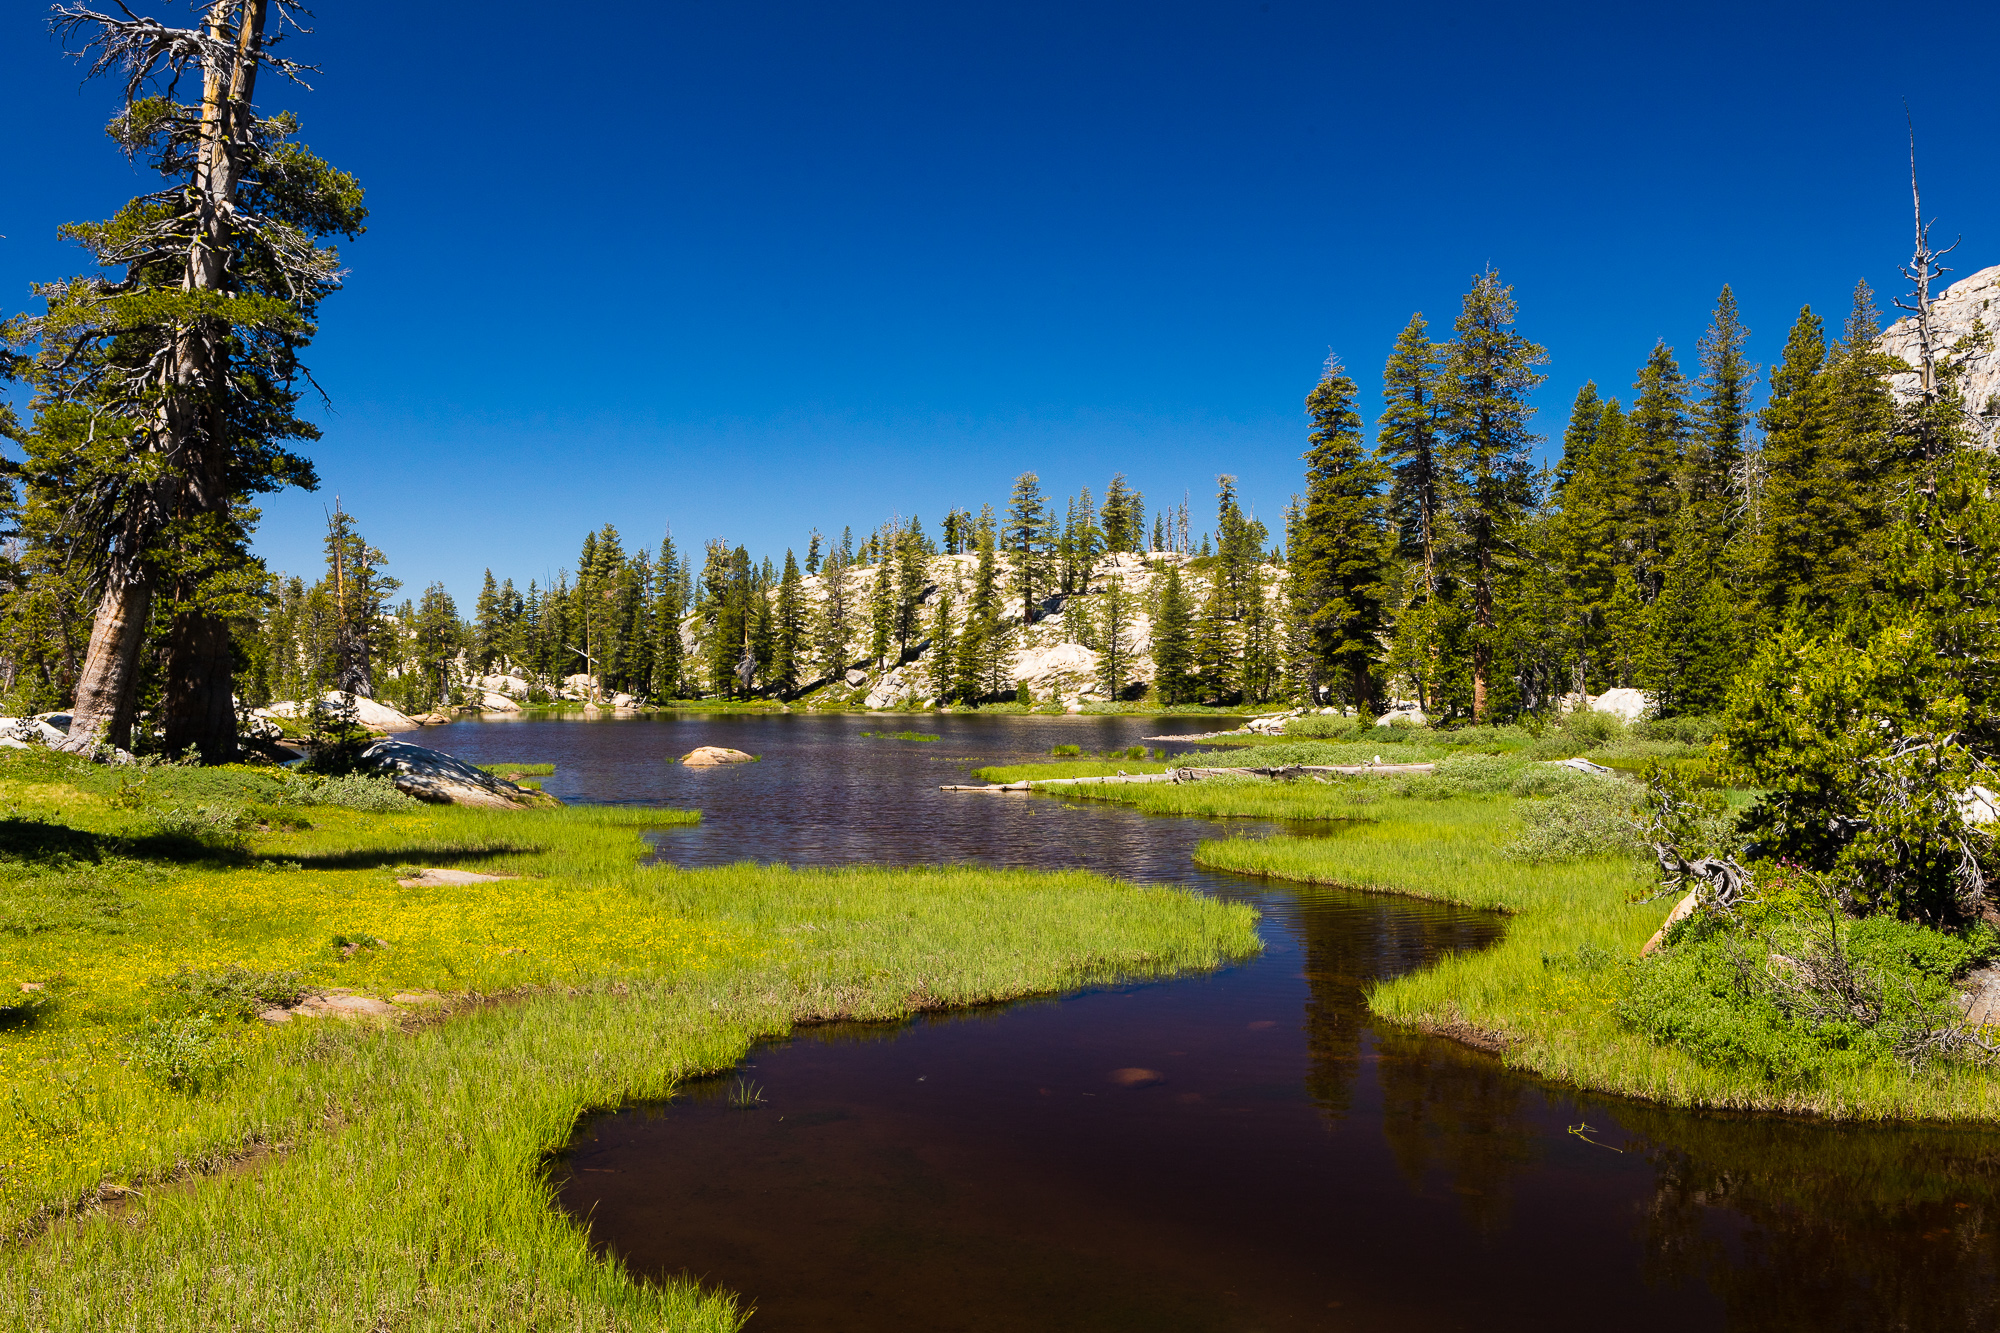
(400, 1174)
(1788, 1002)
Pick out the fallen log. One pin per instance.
(1178, 775)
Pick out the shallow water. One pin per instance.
(1243, 1150)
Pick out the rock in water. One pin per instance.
(708, 756)
(433, 775)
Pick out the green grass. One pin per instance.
(1067, 768)
(900, 736)
(394, 1174)
(518, 770)
(1548, 989)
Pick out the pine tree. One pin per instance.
(1863, 448)
(1489, 374)
(832, 628)
(1212, 647)
(790, 630)
(1657, 443)
(166, 388)
(1410, 439)
(881, 613)
(486, 617)
(436, 643)
(1694, 652)
(1173, 655)
(812, 553)
(1239, 549)
(1338, 545)
(1027, 522)
(912, 577)
(943, 660)
(1584, 532)
(762, 650)
(669, 608)
(1804, 490)
(1723, 414)
(360, 604)
(1114, 633)
(1123, 517)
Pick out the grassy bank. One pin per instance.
(1548, 995)
(395, 1168)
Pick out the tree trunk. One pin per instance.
(1482, 621)
(200, 703)
(106, 689)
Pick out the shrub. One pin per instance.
(1067, 751)
(352, 791)
(1578, 733)
(219, 824)
(235, 991)
(1678, 730)
(1459, 775)
(186, 1052)
(1331, 726)
(334, 738)
(1810, 995)
(1593, 817)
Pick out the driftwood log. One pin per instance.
(1178, 775)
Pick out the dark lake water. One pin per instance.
(1244, 1150)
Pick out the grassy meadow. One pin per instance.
(207, 1169)
(1493, 828)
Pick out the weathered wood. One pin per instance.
(1197, 774)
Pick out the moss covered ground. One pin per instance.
(393, 1170)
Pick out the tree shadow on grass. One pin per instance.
(42, 843)
(372, 858)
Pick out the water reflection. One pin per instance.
(1293, 1166)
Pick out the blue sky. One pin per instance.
(746, 269)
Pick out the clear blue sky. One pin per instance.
(747, 268)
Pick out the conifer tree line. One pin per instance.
(1678, 530)
(1682, 526)
(1435, 563)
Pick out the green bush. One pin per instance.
(351, 791)
(185, 1053)
(1580, 732)
(1810, 995)
(1458, 775)
(1067, 751)
(1593, 817)
(1679, 730)
(235, 991)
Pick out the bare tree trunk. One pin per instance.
(106, 689)
(1482, 621)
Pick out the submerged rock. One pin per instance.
(433, 775)
(709, 756)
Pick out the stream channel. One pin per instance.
(1240, 1150)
